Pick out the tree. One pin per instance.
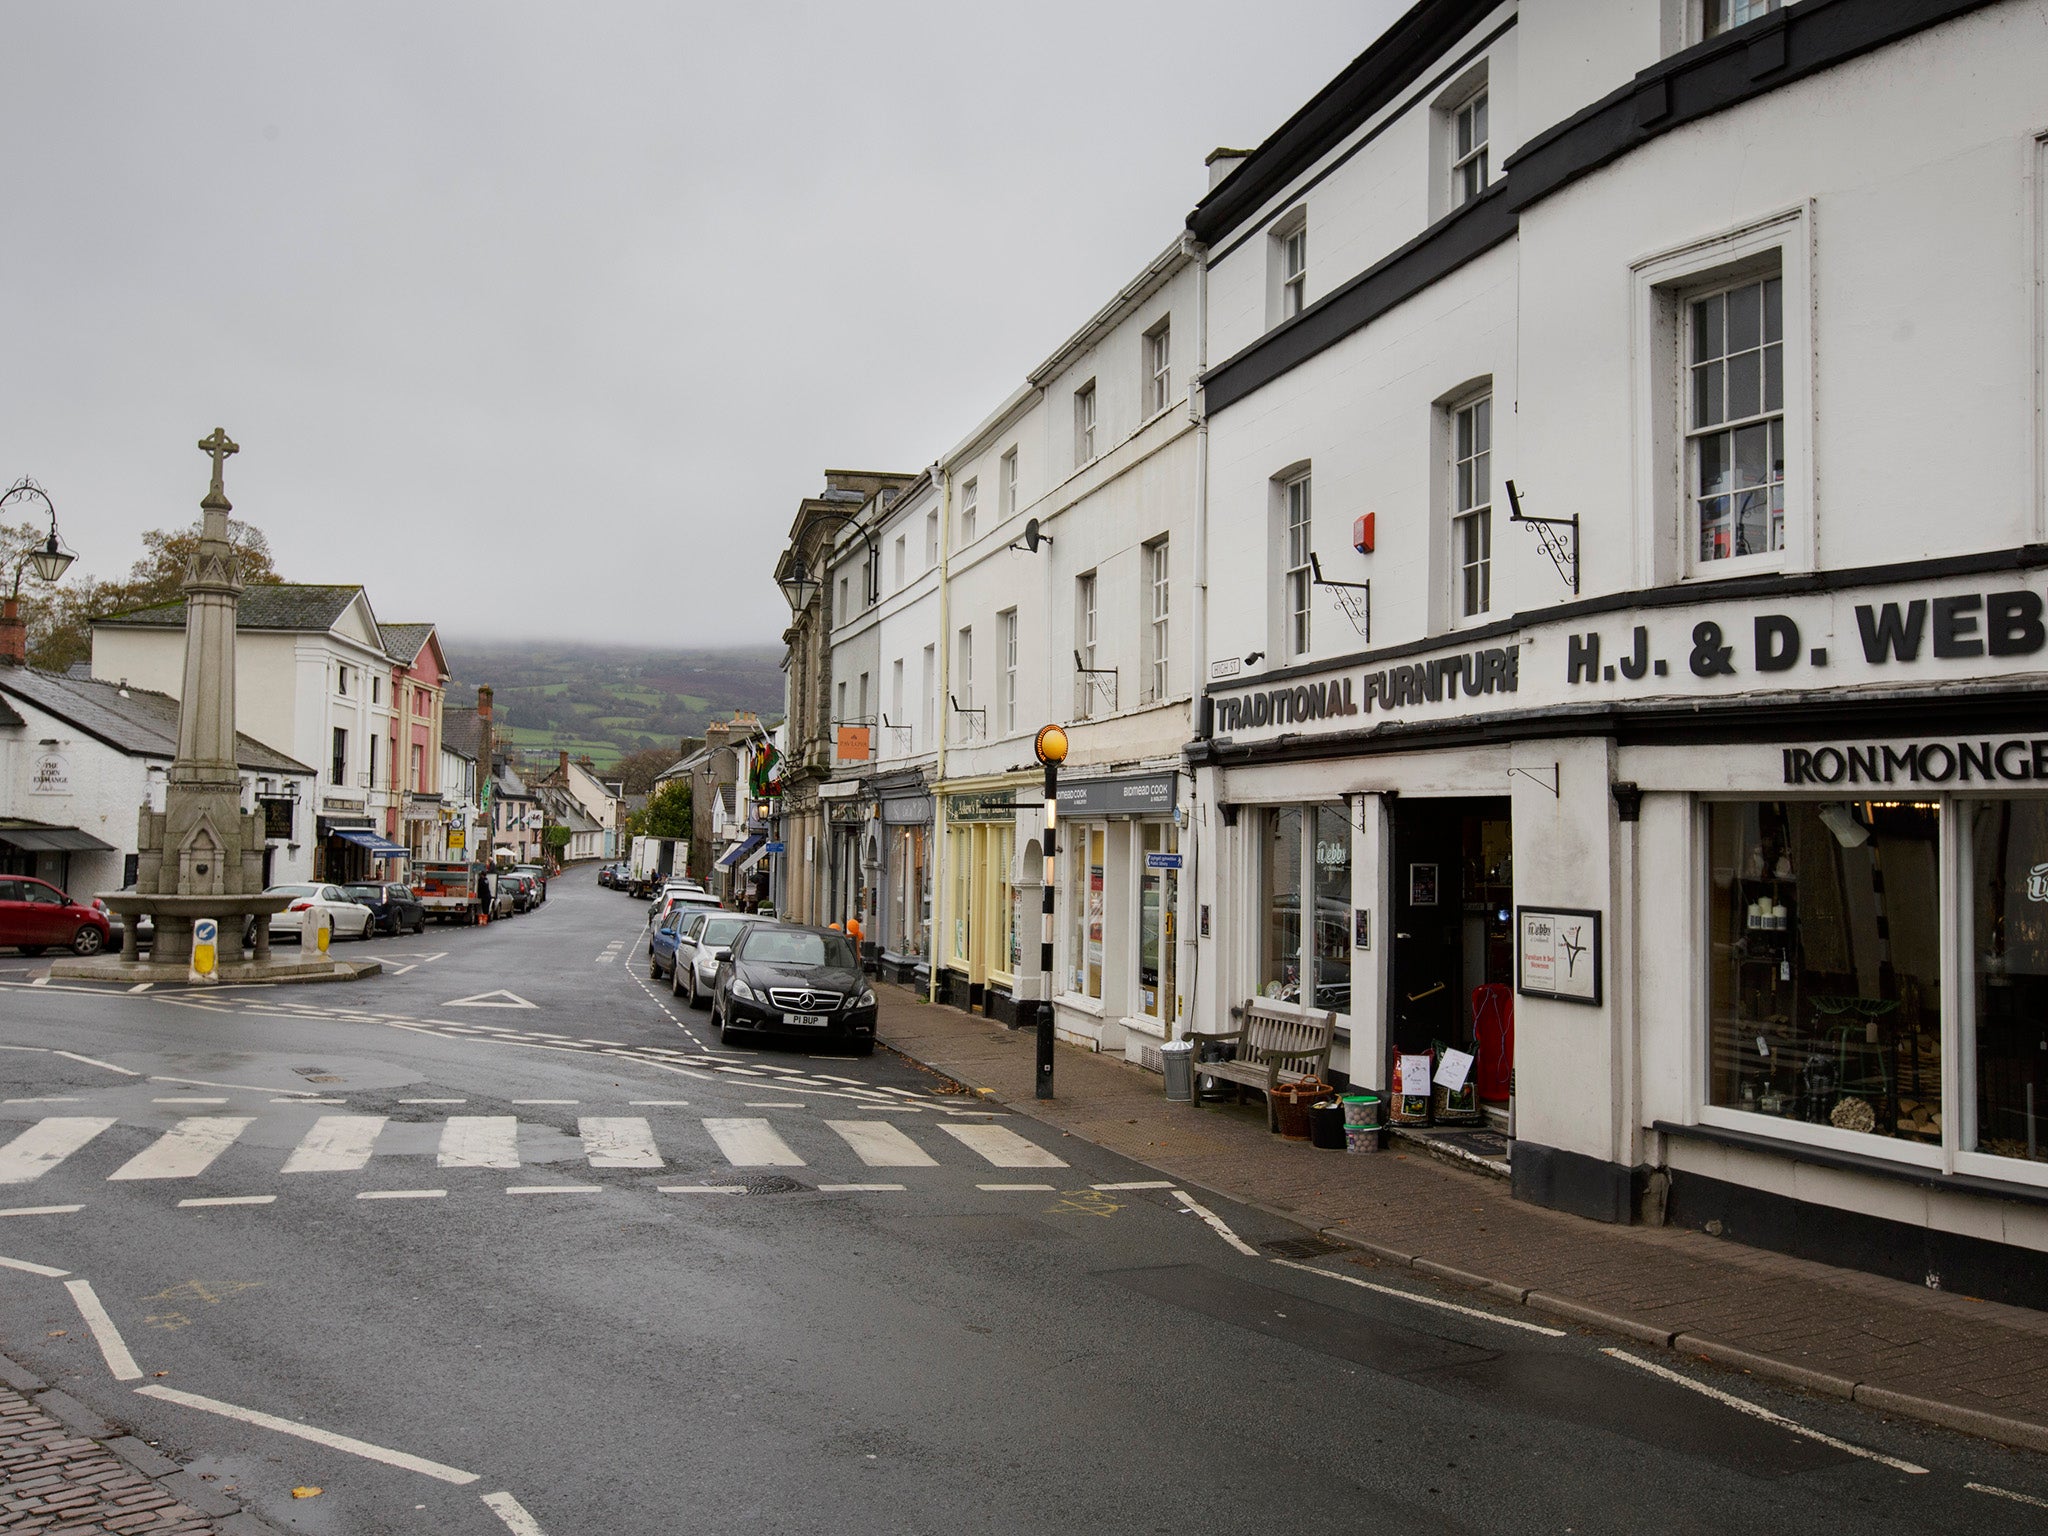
(638, 769)
(668, 811)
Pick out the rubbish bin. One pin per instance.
(1178, 1059)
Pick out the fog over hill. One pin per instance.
(611, 700)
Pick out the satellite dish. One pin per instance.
(1032, 537)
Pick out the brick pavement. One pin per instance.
(53, 1479)
(1971, 1365)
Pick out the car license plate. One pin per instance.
(804, 1020)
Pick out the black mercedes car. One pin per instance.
(794, 981)
(394, 909)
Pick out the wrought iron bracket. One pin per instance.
(1550, 541)
(980, 716)
(1353, 597)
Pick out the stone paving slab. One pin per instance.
(1936, 1355)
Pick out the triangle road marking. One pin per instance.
(497, 999)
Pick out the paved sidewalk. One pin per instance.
(1971, 1365)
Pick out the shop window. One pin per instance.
(1825, 988)
(1307, 848)
(1158, 902)
(1735, 399)
(1085, 850)
(2008, 882)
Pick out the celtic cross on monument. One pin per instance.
(218, 448)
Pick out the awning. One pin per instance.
(379, 845)
(740, 850)
(52, 840)
(751, 859)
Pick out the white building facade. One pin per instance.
(1625, 494)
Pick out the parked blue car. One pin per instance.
(661, 941)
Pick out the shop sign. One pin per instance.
(277, 816)
(1162, 861)
(457, 839)
(1147, 795)
(1558, 952)
(994, 805)
(911, 811)
(853, 744)
(50, 774)
(2013, 760)
(847, 813)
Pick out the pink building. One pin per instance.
(419, 678)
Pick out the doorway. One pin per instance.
(1454, 904)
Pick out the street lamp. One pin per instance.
(798, 585)
(1051, 749)
(50, 559)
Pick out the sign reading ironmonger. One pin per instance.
(2008, 760)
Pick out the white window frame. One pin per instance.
(1297, 589)
(1476, 518)
(1158, 636)
(1006, 698)
(930, 681)
(1087, 592)
(970, 508)
(1664, 534)
(1712, 24)
(1008, 488)
(902, 558)
(1471, 161)
(1159, 367)
(1293, 270)
(1084, 424)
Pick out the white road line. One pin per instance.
(1214, 1221)
(618, 1141)
(34, 1269)
(335, 1144)
(827, 1077)
(401, 1194)
(141, 986)
(309, 1101)
(46, 1144)
(42, 1101)
(40, 981)
(555, 1189)
(104, 1333)
(1137, 1184)
(229, 1200)
(547, 1101)
(1758, 1411)
(774, 1104)
(880, 1145)
(2007, 1493)
(659, 1103)
(752, 1144)
(433, 1101)
(480, 1141)
(188, 1100)
(400, 970)
(1002, 1146)
(692, 1189)
(43, 1210)
(509, 1510)
(847, 1189)
(325, 1437)
(1012, 1188)
(1424, 1301)
(187, 1149)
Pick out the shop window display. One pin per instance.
(1307, 848)
(1086, 868)
(2007, 883)
(1280, 950)
(1825, 988)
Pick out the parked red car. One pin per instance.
(35, 916)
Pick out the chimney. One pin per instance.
(484, 744)
(13, 634)
(1222, 162)
(562, 765)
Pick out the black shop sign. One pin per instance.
(2011, 760)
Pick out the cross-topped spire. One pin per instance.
(218, 448)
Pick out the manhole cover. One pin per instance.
(774, 1184)
(1301, 1247)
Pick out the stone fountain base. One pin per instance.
(237, 972)
(170, 957)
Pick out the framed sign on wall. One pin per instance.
(1557, 952)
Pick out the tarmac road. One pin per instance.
(509, 1219)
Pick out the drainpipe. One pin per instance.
(1190, 887)
(942, 481)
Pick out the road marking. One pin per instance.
(698, 1189)
(1758, 1411)
(1424, 1301)
(1003, 1147)
(400, 970)
(188, 1100)
(774, 1103)
(401, 1194)
(2007, 1493)
(480, 1141)
(555, 1189)
(659, 1103)
(325, 1437)
(335, 1144)
(592, 1040)
(309, 1101)
(187, 1149)
(34, 1269)
(40, 981)
(140, 986)
(497, 999)
(880, 1145)
(229, 1200)
(847, 1189)
(547, 1101)
(42, 1101)
(619, 1141)
(43, 1210)
(1012, 1188)
(44, 1145)
(433, 1101)
(509, 1510)
(1137, 1184)
(112, 1348)
(1215, 1221)
(752, 1144)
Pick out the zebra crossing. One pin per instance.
(341, 1143)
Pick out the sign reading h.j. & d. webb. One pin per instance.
(1899, 633)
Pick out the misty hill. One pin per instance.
(608, 700)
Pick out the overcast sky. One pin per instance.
(540, 319)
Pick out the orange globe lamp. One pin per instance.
(1051, 745)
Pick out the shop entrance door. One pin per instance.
(1159, 897)
(1454, 906)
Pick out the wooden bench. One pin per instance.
(1276, 1044)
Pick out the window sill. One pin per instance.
(1143, 1024)
(1855, 1162)
(1078, 1002)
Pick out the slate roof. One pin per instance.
(8, 716)
(461, 732)
(138, 721)
(402, 642)
(264, 605)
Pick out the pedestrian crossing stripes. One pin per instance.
(346, 1143)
